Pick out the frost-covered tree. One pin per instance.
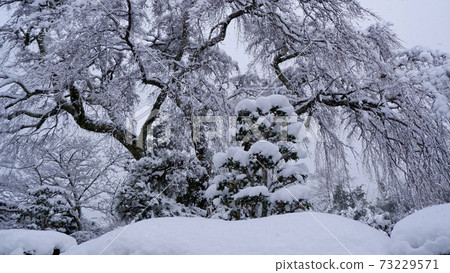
(265, 175)
(353, 204)
(91, 62)
(57, 183)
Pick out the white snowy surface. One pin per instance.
(296, 233)
(265, 104)
(424, 232)
(212, 191)
(292, 168)
(252, 191)
(291, 193)
(245, 105)
(235, 153)
(39, 242)
(267, 149)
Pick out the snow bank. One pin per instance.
(21, 241)
(296, 233)
(424, 232)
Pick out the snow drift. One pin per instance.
(34, 242)
(296, 233)
(425, 232)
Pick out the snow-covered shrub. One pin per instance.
(265, 175)
(353, 204)
(49, 208)
(9, 214)
(196, 183)
(153, 187)
(83, 236)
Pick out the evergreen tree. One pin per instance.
(265, 175)
(353, 204)
(50, 208)
(155, 186)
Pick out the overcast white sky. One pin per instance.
(417, 22)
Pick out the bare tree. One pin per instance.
(78, 173)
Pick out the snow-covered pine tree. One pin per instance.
(264, 176)
(49, 208)
(9, 213)
(155, 186)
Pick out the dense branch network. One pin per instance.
(90, 64)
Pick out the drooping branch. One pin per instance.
(11, 79)
(305, 105)
(222, 28)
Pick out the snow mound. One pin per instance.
(424, 232)
(295, 233)
(34, 242)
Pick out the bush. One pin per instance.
(49, 208)
(154, 187)
(261, 177)
(353, 204)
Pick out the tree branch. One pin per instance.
(277, 60)
(130, 44)
(223, 26)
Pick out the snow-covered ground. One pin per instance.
(298, 233)
(424, 232)
(34, 242)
